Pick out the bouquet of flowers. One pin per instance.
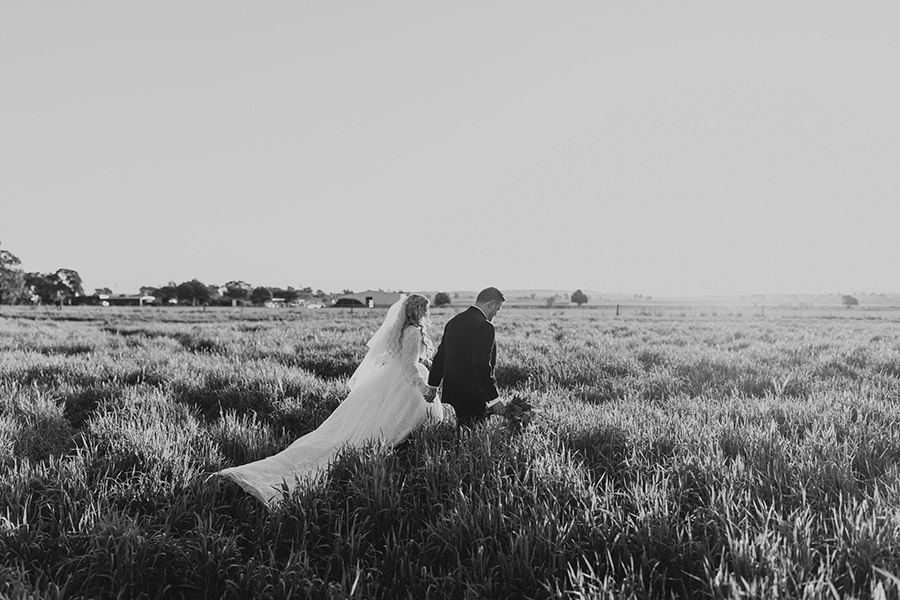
(517, 411)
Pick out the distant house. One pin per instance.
(120, 300)
(128, 300)
(369, 298)
(92, 300)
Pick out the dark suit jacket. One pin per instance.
(465, 363)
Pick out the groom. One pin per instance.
(466, 358)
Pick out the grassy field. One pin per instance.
(685, 455)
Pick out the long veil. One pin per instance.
(382, 343)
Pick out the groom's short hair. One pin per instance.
(490, 294)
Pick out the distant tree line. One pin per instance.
(18, 286)
(197, 293)
(64, 286)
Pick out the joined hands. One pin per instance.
(497, 407)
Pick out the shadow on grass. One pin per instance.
(603, 448)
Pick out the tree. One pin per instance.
(441, 298)
(261, 295)
(166, 294)
(12, 279)
(41, 288)
(194, 291)
(68, 284)
(214, 295)
(579, 298)
(104, 291)
(849, 301)
(237, 290)
(290, 295)
(550, 300)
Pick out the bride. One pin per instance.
(388, 399)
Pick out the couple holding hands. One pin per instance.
(392, 391)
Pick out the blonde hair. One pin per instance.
(415, 309)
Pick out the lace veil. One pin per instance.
(382, 344)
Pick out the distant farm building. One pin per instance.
(370, 299)
(120, 300)
(128, 300)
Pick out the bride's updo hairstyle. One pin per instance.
(416, 305)
(416, 310)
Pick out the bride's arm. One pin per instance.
(410, 351)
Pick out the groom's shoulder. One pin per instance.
(466, 314)
(479, 320)
(466, 317)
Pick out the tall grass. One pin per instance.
(726, 457)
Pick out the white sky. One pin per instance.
(658, 147)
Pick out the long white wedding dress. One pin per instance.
(385, 404)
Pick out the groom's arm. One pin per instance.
(482, 353)
(436, 372)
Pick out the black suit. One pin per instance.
(465, 362)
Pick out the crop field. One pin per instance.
(680, 455)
